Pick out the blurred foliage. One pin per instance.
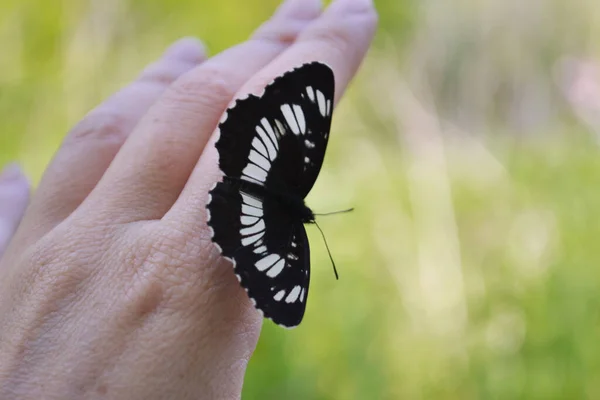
(469, 268)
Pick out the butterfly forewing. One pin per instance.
(296, 108)
(272, 147)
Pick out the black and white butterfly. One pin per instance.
(271, 149)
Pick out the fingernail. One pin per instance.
(186, 49)
(352, 5)
(300, 8)
(11, 172)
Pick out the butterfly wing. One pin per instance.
(292, 119)
(268, 247)
(274, 143)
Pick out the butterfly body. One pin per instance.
(291, 204)
(271, 149)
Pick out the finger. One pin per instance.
(91, 146)
(153, 166)
(340, 38)
(14, 196)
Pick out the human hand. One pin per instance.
(14, 196)
(111, 286)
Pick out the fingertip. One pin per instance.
(189, 49)
(10, 172)
(14, 197)
(13, 175)
(351, 6)
(299, 9)
(14, 191)
(290, 19)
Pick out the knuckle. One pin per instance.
(336, 37)
(345, 35)
(367, 18)
(161, 72)
(208, 87)
(99, 125)
(55, 271)
(73, 249)
(279, 34)
(175, 259)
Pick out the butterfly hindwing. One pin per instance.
(271, 149)
(268, 247)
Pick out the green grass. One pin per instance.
(491, 292)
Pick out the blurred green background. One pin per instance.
(470, 268)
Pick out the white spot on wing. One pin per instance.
(267, 142)
(260, 147)
(251, 239)
(207, 209)
(267, 261)
(279, 295)
(260, 249)
(259, 160)
(269, 130)
(328, 107)
(289, 117)
(300, 118)
(302, 295)
(251, 201)
(321, 102)
(309, 144)
(311, 93)
(248, 220)
(252, 211)
(293, 295)
(277, 268)
(251, 230)
(280, 127)
(255, 172)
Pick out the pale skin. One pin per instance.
(110, 287)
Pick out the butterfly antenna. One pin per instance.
(328, 252)
(337, 212)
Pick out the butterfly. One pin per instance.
(271, 148)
